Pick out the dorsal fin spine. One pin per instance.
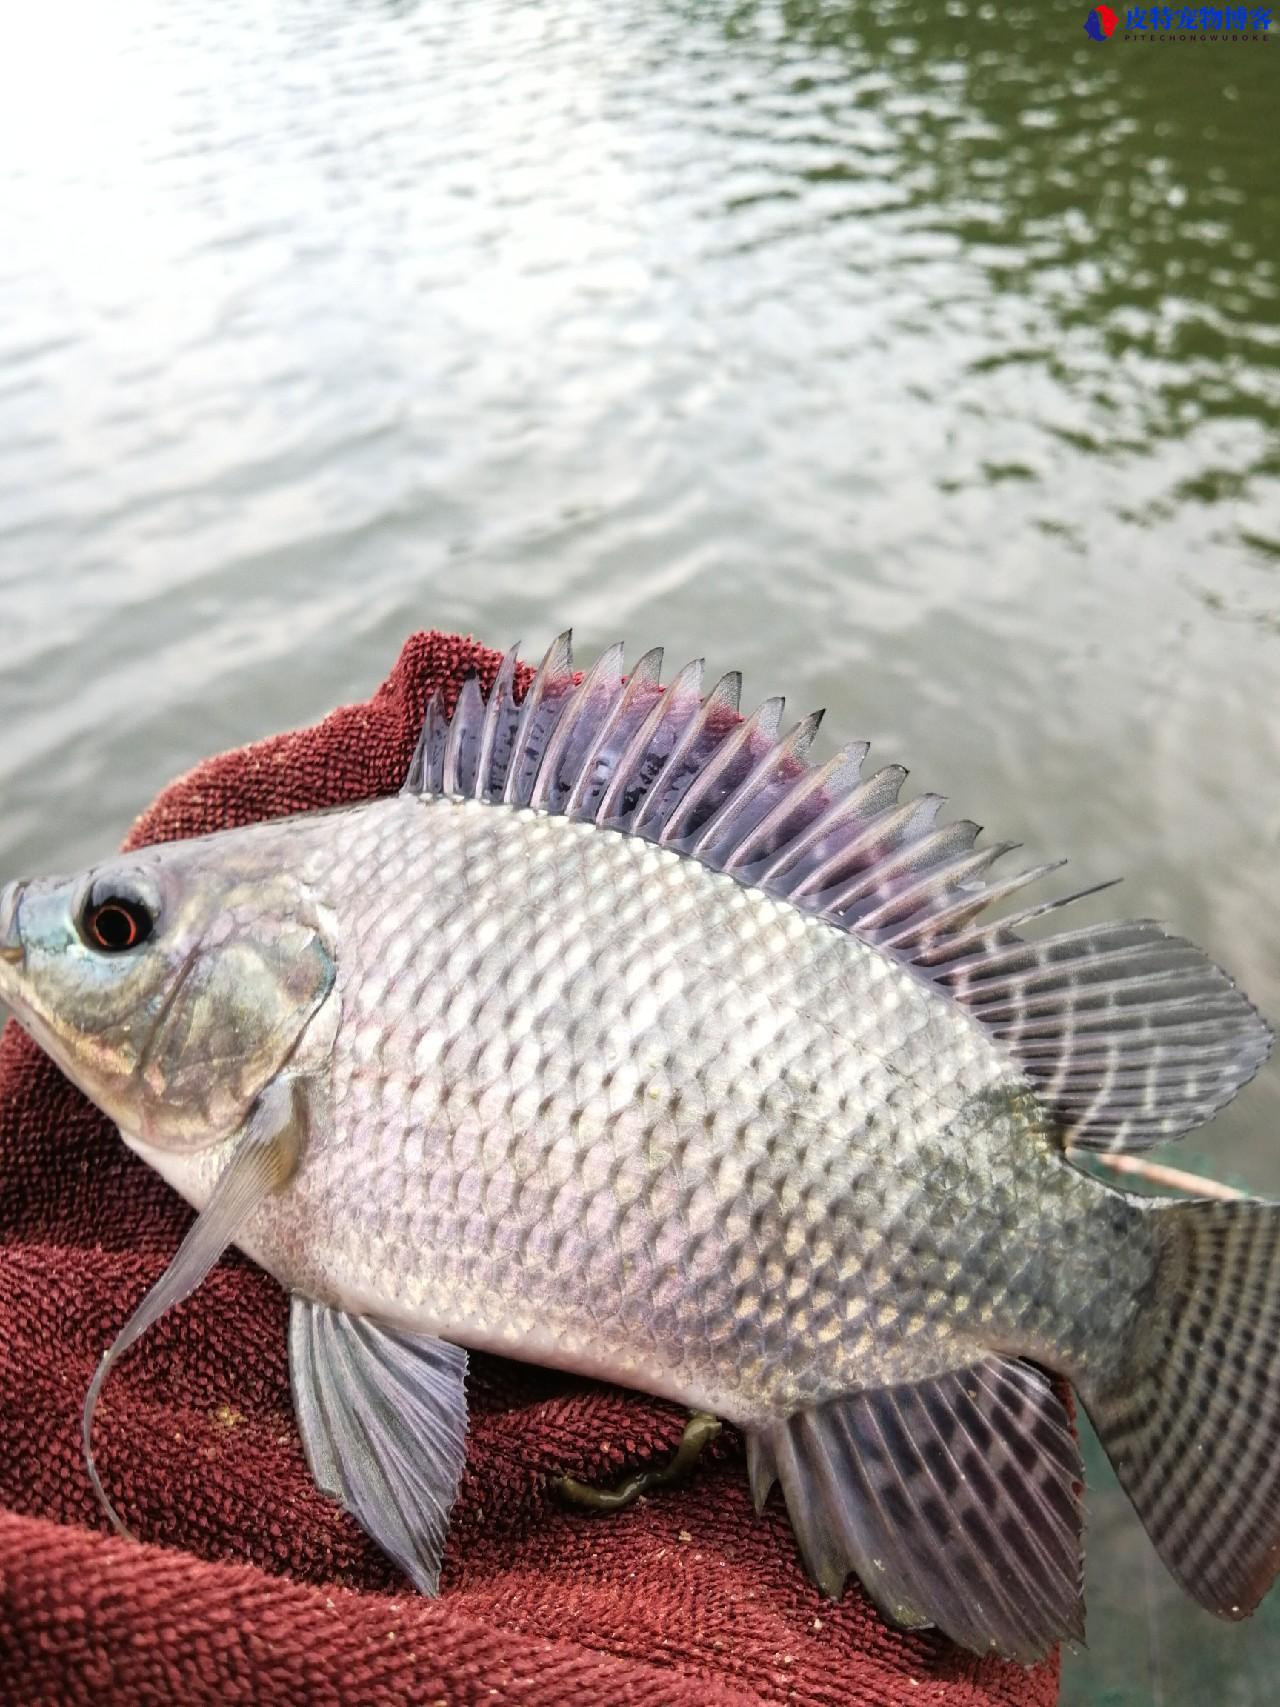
(762, 723)
(500, 698)
(452, 741)
(830, 878)
(868, 801)
(433, 736)
(464, 725)
(935, 848)
(687, 681)
(784, 753)
(557, 664)
(808, 782)
(418, 779)
(841, 771)
(721, 702)
(606, 667)
(969, 948)
(949, 874)
(644, 677)
(964, 965)
(945, 919)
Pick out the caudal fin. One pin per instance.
(1194, 1429)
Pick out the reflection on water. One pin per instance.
(923, 359)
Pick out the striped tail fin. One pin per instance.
(1194, 1429)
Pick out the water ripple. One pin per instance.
(924, 360)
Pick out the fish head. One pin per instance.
(170, 984)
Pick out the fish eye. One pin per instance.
(116, 922)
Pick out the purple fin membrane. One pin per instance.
(1129, 1035)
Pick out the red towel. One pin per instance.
(248, 1585)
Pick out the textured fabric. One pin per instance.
(248, 1584)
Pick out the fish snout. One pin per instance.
(10, 941)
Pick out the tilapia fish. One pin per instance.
(627, 1040)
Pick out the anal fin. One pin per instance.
(383, 1418)
(956, 1501)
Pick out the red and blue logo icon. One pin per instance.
(1182, 23)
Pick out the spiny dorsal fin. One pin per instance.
(1130, 1035)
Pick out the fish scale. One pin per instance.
(626, 1041)
(630, 1156)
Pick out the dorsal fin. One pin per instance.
(1130, 1035)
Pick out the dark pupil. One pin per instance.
(118, 924)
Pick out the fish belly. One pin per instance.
(596, 1106)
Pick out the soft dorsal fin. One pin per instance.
(1130, 1035)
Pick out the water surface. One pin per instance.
(921, 360)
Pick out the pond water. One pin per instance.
(923, 360)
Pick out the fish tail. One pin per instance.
(1192, 1425)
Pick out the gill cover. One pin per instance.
(174, 984)
(229, 1023)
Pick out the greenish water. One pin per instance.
(922, 360)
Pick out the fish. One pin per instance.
(629, 1040)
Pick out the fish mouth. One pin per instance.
(11, 948)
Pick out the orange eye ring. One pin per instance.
(117, 924)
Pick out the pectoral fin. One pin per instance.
(383, 1418)
(263, 1160)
